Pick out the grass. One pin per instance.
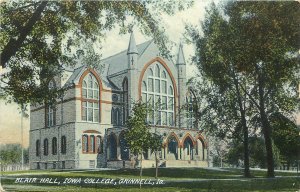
(176, 179)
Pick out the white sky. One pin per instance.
(10, 118)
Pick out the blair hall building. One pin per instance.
(85, 128)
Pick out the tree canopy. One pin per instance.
(258, 42)
(286, 137)
(37, 37)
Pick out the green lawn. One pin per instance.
(175, 179)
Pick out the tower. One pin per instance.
(132, 57)
(181, 67)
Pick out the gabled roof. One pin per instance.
(118, 62)
(112, 65)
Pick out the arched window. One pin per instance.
(90, 99)
(157, 91)
(38, 148)
(118, 116)
(115, 116)
(191, 108)
(63, 145)
(54, 146)
(125, 100)
(46, 147)
(85, 144)
(50, 109)
(93, 143)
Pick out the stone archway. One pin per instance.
(201, 148)
(188, 149)
(172, 148)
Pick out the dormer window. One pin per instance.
(90, 99)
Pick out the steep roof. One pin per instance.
(118, 62)
(112, 65)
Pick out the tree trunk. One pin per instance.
(156, 165)
(266, 127)
(244, 126)
(246, 148)
(141, 170)
(268, 143)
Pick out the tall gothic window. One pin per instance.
(90, 99)
(50, 117)
(63, 145)
(125, 100)
(38, 147)
(191, 110)
(54, 146)
(115, 116)
(46, 147)
(158, 92)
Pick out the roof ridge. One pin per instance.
(126, 50)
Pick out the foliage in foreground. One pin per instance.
(253, 45)
(39, 38)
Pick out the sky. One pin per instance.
(10, 117)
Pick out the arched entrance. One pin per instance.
(200, 149)
(172, 148)
(188, 147)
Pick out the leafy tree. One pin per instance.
(225, 96)
(257, 153)
(286, 137)
(38, 38)
(11, 154)
(259, 41)
(218, 151)
(155, 146)
(138, 136)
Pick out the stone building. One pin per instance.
(85, 128)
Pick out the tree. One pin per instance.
(11, 154)
(218, 151)
(155, 146)
(259, 41)
(257, 153)
(215, 65)
(286, 137)
(39, 38)
(138, 136)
